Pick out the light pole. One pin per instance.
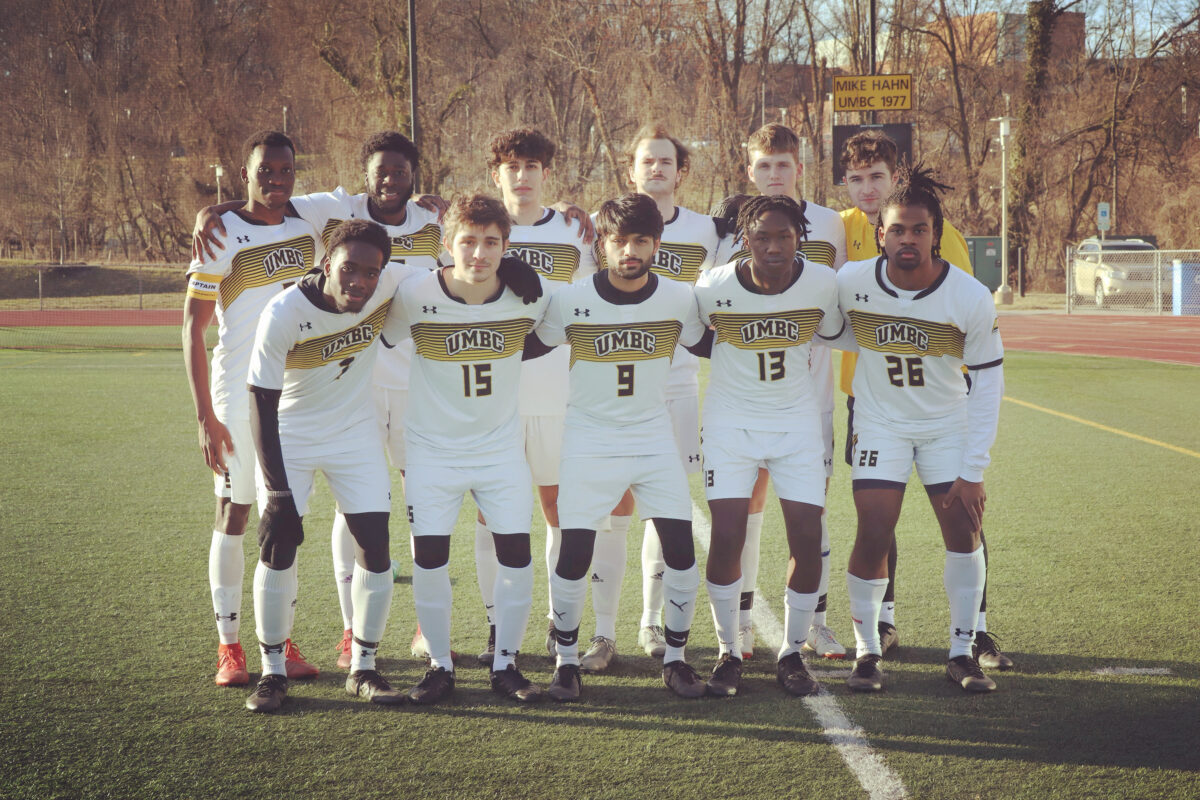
(220, 171)
(1005, 130)
(285, 110)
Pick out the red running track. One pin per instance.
(1174, 340)
(21, 319)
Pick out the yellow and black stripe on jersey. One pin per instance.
(475, 341)
(905, 335)
(767, 331)
(321, 350)
(817, 252)
(674, 260)
(637, 341)
(554, 262)
(277, 262)
(424, 242)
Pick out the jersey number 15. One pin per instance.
(481, 386)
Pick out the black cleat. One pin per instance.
(867, 676)
(515, 686)
(268, 694)
(726, 677)
(370, 684)
(987, 652)
(965, 671)
(793, 676)
(681, 679)
(566, 684)
(435, 686)
(489, 654)
(888, 637)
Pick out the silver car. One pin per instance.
(1118, 271)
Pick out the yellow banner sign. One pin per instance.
(872, 93)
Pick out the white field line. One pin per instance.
(850, 740)
(1132, 671)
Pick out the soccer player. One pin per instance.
(691, 243)
(545, 239)
(774, 153)
(869, 160)
(761, 411)
(463, 433)
(310, 386)
(623, 326)
(917, 321)
(269, 251)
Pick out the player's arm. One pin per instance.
(833, 325)
(551, 331)
(396, 325)
(573, 213)
(215, 440)
(209, 230)
(433, 202)
(521, 278)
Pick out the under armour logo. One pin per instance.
(306, 326)
(230, 617)
(583, 312)
(243, 239)
(692, 458)
(429, 309)
(596, 578)
(861, 297)
(678, 605)
(968, 634)
(271, 649)
(656, 576)
(506, 653)
(725, 303)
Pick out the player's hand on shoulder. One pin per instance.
(433, 202)
(972, 496)
(215, 442)
(521, 278)
(573, 213)
(208, 233)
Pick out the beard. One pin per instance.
(631, 273)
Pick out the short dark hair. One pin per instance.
(479, 210)
(916, 186)
(266, 139)
(772, 139)
(658, 130)
(389, 142)
(755, 207)
(631, 213)
(863, 149)
(360, 230)
(521, 143)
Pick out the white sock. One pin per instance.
(652, 577)
(865, 599)
(723, 600)
(797, 617)
(274, 591)
(608, 573)
(343, 567)
(485, 568)
(981, 623)
(963, 578)
(566, 604)
(679, 591)
(887, 613)
(372, 601)
(754, 526)
(514, 596)
(226, 568)
(553, 543)
(432, 597)
(823, 587)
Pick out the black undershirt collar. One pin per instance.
(611, 294)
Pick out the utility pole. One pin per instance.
(872, 19)
(412, 84)
(1005, 130)
(220, 171)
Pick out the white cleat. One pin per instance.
(822, 642)
(746, 638)
(652, 639)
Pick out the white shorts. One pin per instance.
(827, 442)
(390, 405)
(880, 455)
(434, 494)
(733, 456)
(543, 446)
(590, 487)
(240, 478)
(685, 421)
(359, 480)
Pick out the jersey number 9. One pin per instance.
(624, 380)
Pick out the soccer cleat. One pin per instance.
(515, 686)
(296, 665)
(343, 649)
(888, 637)
(684, 681)
(370, 684)
(746, 639)
(867, 676)
(551, 642)
(987, 652)
(268, 694)
(599, 655)
(726, 677)
(420, 647)
(822, 642)
(652, 639)
(489, 653)
(793, 676)
(965, 671)
(566, 684)
(231, 666)
(435, 686)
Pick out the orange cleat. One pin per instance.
(343, 649)
(420, 647)
(297, 667)
(231, 666)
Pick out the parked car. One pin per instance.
(1120, 270)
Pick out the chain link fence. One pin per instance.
(1131, 276)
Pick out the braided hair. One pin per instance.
(916, 186)
(755, 207)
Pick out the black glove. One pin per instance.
(521, 278)
(279, 525)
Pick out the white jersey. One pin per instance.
(416, 242)
(760, 378)
(621, 349)
(552, 247)
(912, 346)
(462, 408)
(258, 261)
(322, 361)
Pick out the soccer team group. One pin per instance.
(484, 346)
